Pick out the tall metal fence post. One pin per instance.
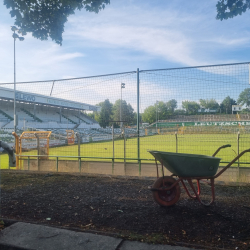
(38, 151)
(124, 137)
(176, 142)
(238, 145)
(79, 150)
(138, 120)
(113, 140)
(78, 143)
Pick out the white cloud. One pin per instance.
(138, 32)
(148, 31)
(234, 42)
(185, 36)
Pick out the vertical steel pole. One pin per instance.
(56, 164)
(124, 137)
(121, 110)
(60, 114)
(79, 152)
(15, 121)
(238, 144)
(52, 88)
(138, 118)
(38, 152)
(113, 140)
(156, 117)
(79, 144)
(176, 139)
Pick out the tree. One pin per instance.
(149, 114)
(134, 121)
(179, 112)
(191, 107)
(226, 105)
(127, 112)
(162, 110)
(47, 18)
(172, 105)
(231, 8)
(244, 97)
(91, 115)
(106, 113)
(209, 104)
(155, 112)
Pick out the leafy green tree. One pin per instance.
(46, 18)
(179, 112)
(134, 121)
(209, 104)
(226, 105)
(159, 111)
(162, 110)
(191, 107)
(244, 97)
(245, 111)
(231, 8)
(127, 112)
(171, 105)
(91, 115)
(149, 114)
(105, 114)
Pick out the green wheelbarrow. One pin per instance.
(186, 168)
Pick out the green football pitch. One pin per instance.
(204, 144)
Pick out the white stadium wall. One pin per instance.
(43, 112)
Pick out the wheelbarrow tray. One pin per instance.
(188, 165)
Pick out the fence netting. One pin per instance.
(185, 110)
(198, 109)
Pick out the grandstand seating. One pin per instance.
(33, 116)
(207, 118)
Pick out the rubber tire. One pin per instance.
(166, 198)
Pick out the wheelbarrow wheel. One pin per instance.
(166, 198)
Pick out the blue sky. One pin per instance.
(125, 36)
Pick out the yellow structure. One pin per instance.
(181, 130)
(70, 137)
(30, 140)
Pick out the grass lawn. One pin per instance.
(205, 144)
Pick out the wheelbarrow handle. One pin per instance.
(232, 162)
(224, 146)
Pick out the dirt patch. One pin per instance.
(126, 207)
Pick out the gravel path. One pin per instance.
(126, 207)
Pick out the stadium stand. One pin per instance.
(43, 112)
(207, 118)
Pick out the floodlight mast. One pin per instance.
(15, 36)
(122, 87)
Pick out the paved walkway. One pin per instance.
(31, 236)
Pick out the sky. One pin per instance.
(127, 35)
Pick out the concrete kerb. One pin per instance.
(32, 236)
(123, 245)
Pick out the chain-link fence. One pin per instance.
(117, 116)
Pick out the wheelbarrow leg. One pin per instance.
(198, 196)
(187, 191)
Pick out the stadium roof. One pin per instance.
(8, 94)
